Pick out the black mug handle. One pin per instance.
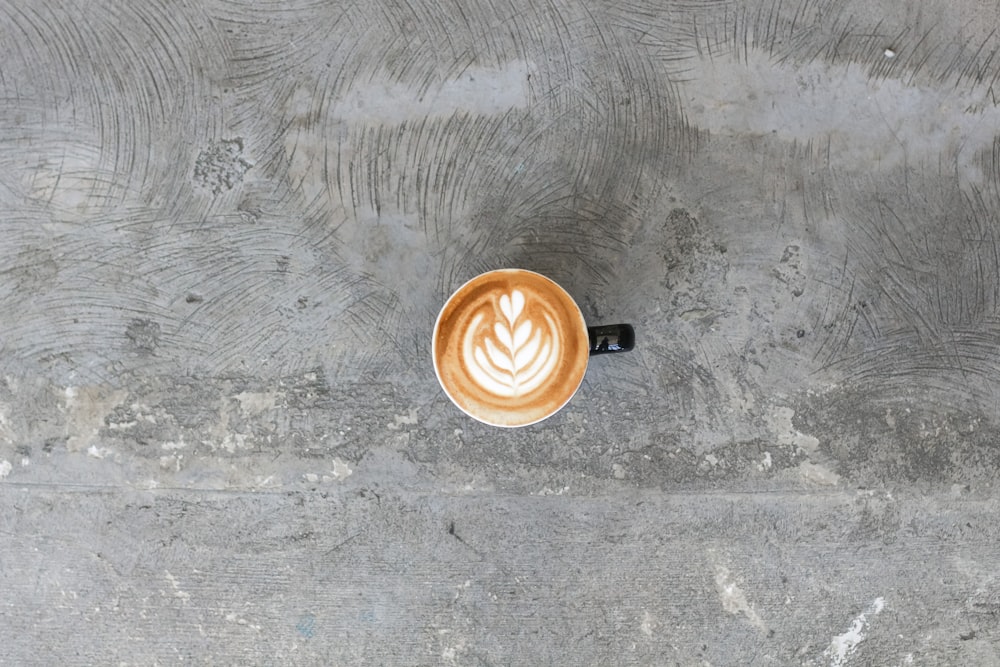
(611, 338)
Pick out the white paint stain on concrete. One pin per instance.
(766, 463)
(733, 599)
(843, 646)
(98, 452)
(175, 585)
(877, 123)
(341, 470)
(5, 468)
(268, 482)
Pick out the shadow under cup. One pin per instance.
(510, 347)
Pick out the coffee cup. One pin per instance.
(511, 347)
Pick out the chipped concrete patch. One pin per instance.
(5, 468)
(341, 471)
(222, 434)
(86, 408)
(255, 403)
(233, 442)
(399, 421)
(780, 422)
(221, 165)
(818, 474)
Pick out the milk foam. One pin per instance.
(506, 352)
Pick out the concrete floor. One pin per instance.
(227, 229)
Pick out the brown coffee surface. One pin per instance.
(510, 347)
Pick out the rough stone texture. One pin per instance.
(226, 231)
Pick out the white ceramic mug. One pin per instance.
(510, 347)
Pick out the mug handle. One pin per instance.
(611, 338)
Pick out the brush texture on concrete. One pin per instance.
(226, 228)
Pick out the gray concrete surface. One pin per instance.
(226, 230)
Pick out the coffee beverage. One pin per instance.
(510, 347)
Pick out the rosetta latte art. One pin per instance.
(510, 347)
(513, 354)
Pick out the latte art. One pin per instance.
(518, 357)
(510, 347)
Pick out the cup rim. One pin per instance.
(434, 337)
